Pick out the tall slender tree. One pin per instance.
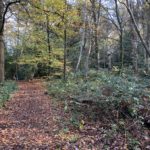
(1, 42)
(4, 6)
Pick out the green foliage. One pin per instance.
(125, 89)
(120, 110)
(133, 143)
(30, 44)
(26, 71)
(6, 89)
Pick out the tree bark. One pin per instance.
(134, 52)
(120, 36)
(121, 51)
(2, 76)
(48, 42)
(109, 61)
(134, 38)
(83, 35)
(87, 59)
(147, 34)
(65, 52)
(96, 16)
(82, 46)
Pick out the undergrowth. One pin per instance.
(6, 88)
(107, 90)
(120, 102)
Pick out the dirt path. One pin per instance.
(28, 120)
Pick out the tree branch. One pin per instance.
(5, 12)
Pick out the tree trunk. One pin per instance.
(87, 59)
(121, 51)
(48, 41)
(82, 46)
(2, 76)
(120, 36)
(147, 34)
(65, 52)
(83, 34)
(134, 49)
(110, 62)
(96, 21)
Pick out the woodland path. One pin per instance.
(28, 120)
(31, 120)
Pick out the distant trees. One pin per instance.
(42, 25)
(89, 44)
(138, 11)
(88, 34)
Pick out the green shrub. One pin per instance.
(26, 71)
(6, 88)
(127, 89)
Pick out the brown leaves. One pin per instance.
(27, 120)
(31, 120)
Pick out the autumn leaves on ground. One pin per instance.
(28, 120)
(31, 120)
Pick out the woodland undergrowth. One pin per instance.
(6, 89)
(120, 102)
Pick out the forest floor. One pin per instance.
(32, 120)
(28, 120)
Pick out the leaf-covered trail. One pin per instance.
(28, 120)
(31, 121)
